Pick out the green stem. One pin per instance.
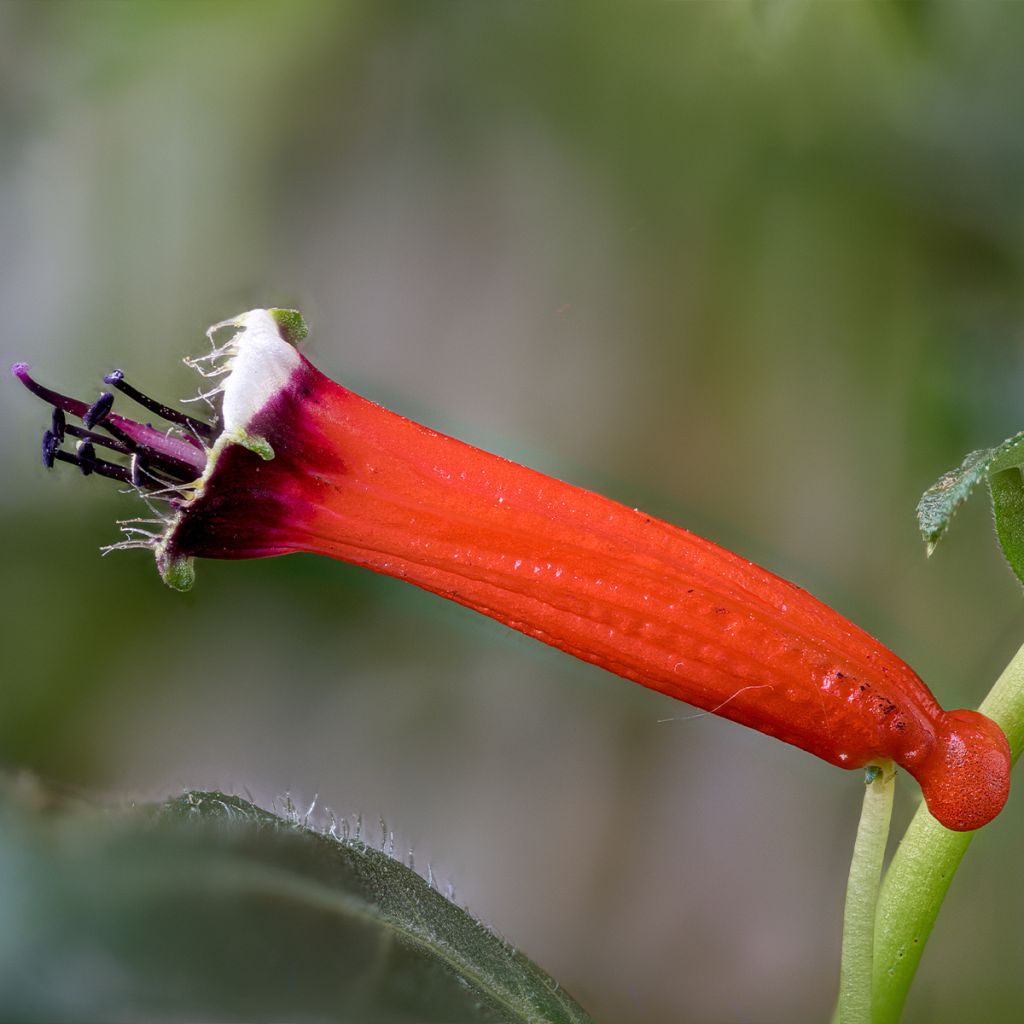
(862, 895)
(924, 865)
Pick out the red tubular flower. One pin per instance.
(300, 463)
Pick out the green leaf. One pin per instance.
(938, 504)
(1007, 487)
(207, 907)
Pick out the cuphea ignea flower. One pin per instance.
(296, 462)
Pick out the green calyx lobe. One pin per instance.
(260, 445)
(179, 573)
(292, 326)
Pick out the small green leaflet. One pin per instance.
(1001, 466)
(1007, 487)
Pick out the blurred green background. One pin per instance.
(753, 267)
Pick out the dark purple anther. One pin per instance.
(99, 410)
(86, 457)
(59, 423)
(135, 468)
(50, 445)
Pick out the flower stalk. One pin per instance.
(924, 865)
(296, 462)
(857, 963)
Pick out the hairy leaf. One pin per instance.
(207, 907)
(952, 489)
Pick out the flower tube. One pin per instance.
(297, 462)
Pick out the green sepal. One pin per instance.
(938, 504)
(291, 324)
(260, 445)
(179, 573)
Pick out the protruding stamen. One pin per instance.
(116, 379)
(71, 405)
(101, 439)
(99, 410)
(137, 474)
(58, 423)
(98, 466)
(50, 445)
(175, 468)
(182, 456)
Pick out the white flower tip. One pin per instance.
(261, 363)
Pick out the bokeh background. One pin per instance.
(755, 268)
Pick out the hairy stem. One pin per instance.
(855, 979)
(924, 865)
